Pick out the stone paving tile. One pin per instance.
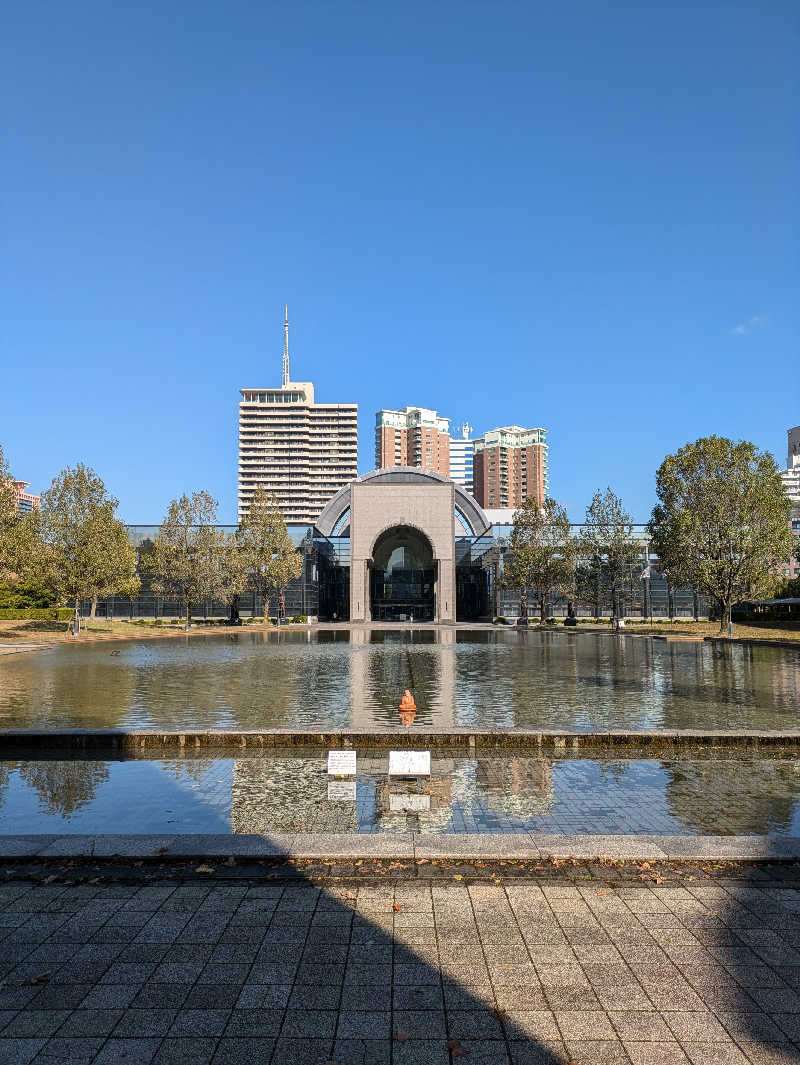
(516, 971)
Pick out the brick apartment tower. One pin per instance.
(413, 436)
(302, 452)
(510, 465)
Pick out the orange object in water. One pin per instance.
(407, 702)
(407, 715)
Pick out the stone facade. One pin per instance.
(430, 509)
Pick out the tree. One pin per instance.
(541, 552)
(268, 555)
(186, 560)
(118, 574)
(8, 520)
(80, 547)
(608, 546)
(722, 520)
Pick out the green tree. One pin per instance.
(187, 558)
(118, 573)
(80, 547)
(268, 555)
(608, 547)
(8, 521)
(541, 552)
(722, 520)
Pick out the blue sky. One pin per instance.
(582, 216)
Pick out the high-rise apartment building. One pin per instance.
(510, 466)
(791, 484)
(300, 451)
(462, 452)
(413, 436)
(26, 501)
(791, 475)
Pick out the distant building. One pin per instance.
(300, 451)
(413, 436)
(791, 483)
(26, 501)
(510, 466)
(462, 452)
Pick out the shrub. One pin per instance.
(32, 613)
(299, 619)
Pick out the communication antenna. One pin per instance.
(466, 429)
(286, 348)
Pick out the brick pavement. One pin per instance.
(411, 972)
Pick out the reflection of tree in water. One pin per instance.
(742, 796)
(72, 687)
(64, 787)
(5, 773)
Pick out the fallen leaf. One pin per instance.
(42, 978)
(456, 1049)
(397, 908)
(457, 876)
(204, 869)
(400, 1036)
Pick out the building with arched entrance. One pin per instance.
(402, 524)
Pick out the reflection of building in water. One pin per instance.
(382, 665)
(428, 805)
(742, 796)
(521, 787)
(285, 795)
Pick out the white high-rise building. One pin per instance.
(300, 451)
(791, 475)
(462, 453)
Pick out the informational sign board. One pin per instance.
(341, 763)
(409, 763)
(341, 791)
(409, 803)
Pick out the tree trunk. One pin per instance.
(542, 606)
(93, 611)
(723, 619)
(188, 615)
(76, 621)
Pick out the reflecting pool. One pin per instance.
(290, 791)
(341, 679)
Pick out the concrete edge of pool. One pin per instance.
(116, 740)
(403, 846)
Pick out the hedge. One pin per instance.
(37, 613)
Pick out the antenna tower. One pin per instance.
(286, 348)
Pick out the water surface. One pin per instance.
(289, 791)
(341, 679)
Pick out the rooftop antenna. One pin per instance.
(466, 429)
(286, 348)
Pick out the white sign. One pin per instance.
(412, 803)
(409, 763)
(341, 791)
(342, 763)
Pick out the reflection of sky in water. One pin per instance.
(287, 791)
(338, 680)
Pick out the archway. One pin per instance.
(402, 576)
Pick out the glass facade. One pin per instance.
(402, 582)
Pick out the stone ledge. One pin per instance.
(116, 741)
(405, 845)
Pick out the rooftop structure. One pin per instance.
(26, 501)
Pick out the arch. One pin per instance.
(403, 572)
(468, 508)
(396, 527)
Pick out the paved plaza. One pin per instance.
(195, 966)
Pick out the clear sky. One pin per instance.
(577, 215)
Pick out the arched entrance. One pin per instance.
(402, 576)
